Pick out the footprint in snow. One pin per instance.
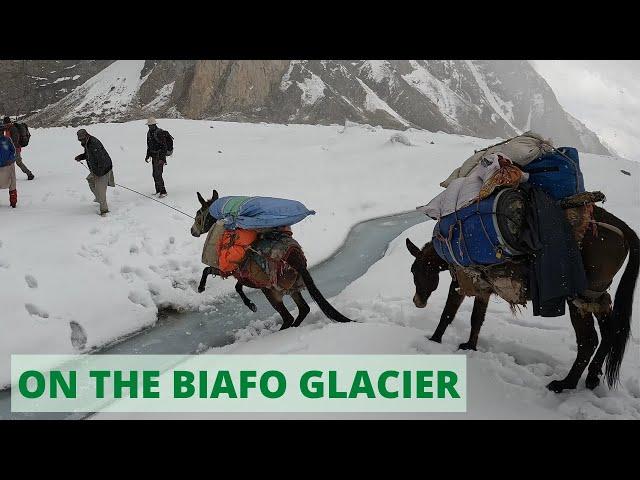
(35, 310)
(31, 281)
(78, 336)
(4, 263)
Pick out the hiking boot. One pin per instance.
(30, 176)
(13, 198)
(162, 195)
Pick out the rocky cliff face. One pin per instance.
(486, 99)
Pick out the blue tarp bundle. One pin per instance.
(7, 151)
(471, 236)
(557, 173)
(253, 213)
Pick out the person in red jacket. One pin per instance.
(11, 131)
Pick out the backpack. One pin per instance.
(7, 151)
(164, 137)
(557, 173)
(23, 131)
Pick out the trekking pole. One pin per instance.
(146, 196)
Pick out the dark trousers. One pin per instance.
(158, 167)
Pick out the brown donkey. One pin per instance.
(602, 261)
(292, 280)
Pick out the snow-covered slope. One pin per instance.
(485, 99)
(67, 273)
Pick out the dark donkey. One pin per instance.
(603, 260)
(290, 282)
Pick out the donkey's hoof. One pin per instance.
(592, 381)
(558, 386)
(433, 338)
(252, 307)
(200, 289)
(466, 346)
(283, 327)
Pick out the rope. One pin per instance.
(146, 196)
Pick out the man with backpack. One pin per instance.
(100, 168)
(159, 147)
(19, 134)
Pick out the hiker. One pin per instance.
(159, 147)
(8, 169)
(100, 166)
(11, 131)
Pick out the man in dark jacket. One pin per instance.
(100, 166)
(157, 151)
(11, 131)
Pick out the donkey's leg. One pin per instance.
(595, 367)
(303, 307)
(587, 340)
(245, 300)
(275, 299)
(203, 281)
(480, 305)
(454, 300)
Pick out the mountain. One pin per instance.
(482, 98)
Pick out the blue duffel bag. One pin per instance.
(482, 233)
(7, 151)
(557, 173)
(253, 213)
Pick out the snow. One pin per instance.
(73, 280)
(377, 70)
(373, 103)
(504, 109)
(110, 91)
(312, 89)
(446, 99)
(163, 95)
(62, 79)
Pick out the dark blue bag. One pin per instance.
(7, 151)
(477, 234)
(557, 173)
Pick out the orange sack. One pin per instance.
(232, 247)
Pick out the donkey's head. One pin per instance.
(426, 270)
(204, 220)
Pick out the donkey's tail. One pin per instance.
(298, 263)
(620, 319)
(322, 302)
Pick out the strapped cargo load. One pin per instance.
(483, 233)
(257, 213)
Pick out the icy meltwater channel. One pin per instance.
(193, 332)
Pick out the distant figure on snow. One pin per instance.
(159, 147)
(8, 169)
(100, 166)
(11, 131)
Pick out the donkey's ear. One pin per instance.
(201, 200)
(413, 250)
(214, 197)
